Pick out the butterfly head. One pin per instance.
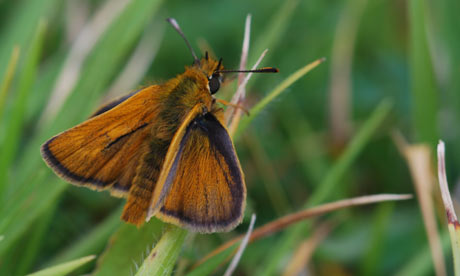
(211, 69)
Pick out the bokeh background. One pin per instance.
(391, 80)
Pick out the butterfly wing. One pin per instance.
(201, 186)
(114, 103)
(103, 151)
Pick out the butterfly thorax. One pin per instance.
(182, 93)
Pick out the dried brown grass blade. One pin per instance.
(290, 219)
(341, 66)
(240, 95)
(453, 224)
(418, 159)
(304, 252)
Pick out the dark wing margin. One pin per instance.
(75, 178)
(106, 107)
(62, 171)
(204, 189)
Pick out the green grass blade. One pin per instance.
(211, 264)
(163, 257)
(307, 145)
(29, 209)
(63, 269)
(22, 24)
(356, 146)
(35, 242)
(245, 121)
(424, 94)
(422, 264)
(99, 68)
(326, 187)
(15, 120)
(92, 242)
(445, 14)
(371, 264)
(274, 31)
(128, 246)
(9, 74)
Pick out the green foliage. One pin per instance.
(404, 75)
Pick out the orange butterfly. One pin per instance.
(165, 148)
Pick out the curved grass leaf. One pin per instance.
(163, 257)
(245, 121)
(63, 269)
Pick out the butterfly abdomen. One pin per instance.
(144, 182)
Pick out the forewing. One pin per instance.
(203, 188)
(106, 107)
(103, 151)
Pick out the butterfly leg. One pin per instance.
(236, 106)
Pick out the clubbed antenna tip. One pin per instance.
(176, 26)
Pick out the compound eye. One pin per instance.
(214, 83)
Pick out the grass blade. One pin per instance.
(421, 263)
(126, 246)
(351, 153)
(16, 117)
(9, 74)
(35, 242)
(418, 158)
(81, 48)
(274, 94)
(341, 68)
(163, 257)
(305, 250)
(22, 25)
(92, 242)
(424, 94)
(65, 268)
(371, 264)
(244, 242)
(453, 224)
(275, 30)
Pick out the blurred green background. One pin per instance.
(391, 66)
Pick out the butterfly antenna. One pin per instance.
(218, 65)
(175, 25)
(260, 70)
